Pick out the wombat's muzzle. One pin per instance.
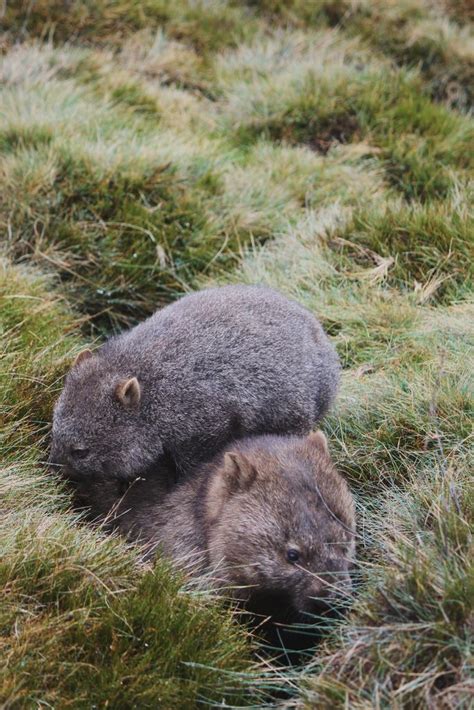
(61, 466)
(62, 469)
(325, 594)
(54, 462)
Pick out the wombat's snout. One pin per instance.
(68, 460)
(54, 461)
(314, 599)
(324, 593)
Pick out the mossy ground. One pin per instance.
(326, 149)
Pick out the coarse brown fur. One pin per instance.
(239, 516)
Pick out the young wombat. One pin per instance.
(269, 519)
(216, 365)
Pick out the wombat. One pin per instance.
(215, 365)
(269, 519)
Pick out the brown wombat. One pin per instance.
(215, 365)
(270, 519)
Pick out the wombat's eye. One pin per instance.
(292, 555)
(78, 452)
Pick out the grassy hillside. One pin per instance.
(325, 148)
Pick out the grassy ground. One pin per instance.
(325, 148)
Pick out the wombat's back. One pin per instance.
(271, 351)
(256, 343)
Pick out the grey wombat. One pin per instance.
(215, 365)
(269, 518)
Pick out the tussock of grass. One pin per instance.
(125, 221)
(123, 209)
(325, 149)
(154, 55)
(321, 91)
(207, 26)
(431, 245)
(82, 624)
(413, 33)
(34, 356)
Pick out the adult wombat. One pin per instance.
(216, 365)
(269, 519)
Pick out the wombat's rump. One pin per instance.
(214, 366)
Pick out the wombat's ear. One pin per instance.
(129, 393)
(236, 474)
(318, 440)
(238, 471)
(84, 355)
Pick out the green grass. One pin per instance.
(207, 26)
(329, 92)
(323, 148)
(413, 33)
(430, 244)
(101, 190)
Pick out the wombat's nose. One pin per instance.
(314, 602)
(329, 588)
(53, 464)
(54, 460)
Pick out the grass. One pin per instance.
(413, 33)
(207, 26)
(328, 92)
(323, 148)
(432, 243)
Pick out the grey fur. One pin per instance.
(215, 365)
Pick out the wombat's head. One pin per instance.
(282, 525)
(98, 427)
